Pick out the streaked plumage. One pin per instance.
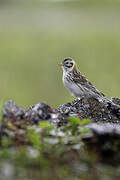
(76, 82)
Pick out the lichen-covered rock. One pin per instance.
(100, 110)
(20, 117)
(104, 141)
(13, 111)
(40, 112)
(104, 110)
(17, 120)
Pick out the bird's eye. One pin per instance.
(69, 64)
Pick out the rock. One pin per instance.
(105, 126)
(40, 112)
(98, 110)
(104, 142)
(13, 111)
(20, 118)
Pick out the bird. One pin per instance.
(76, 83)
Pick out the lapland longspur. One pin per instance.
(76, 82)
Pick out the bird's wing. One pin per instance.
(80, 79)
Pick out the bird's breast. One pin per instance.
(72, 86)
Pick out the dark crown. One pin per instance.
(67, 59)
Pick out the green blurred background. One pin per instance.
(36, 35)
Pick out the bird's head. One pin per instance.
(68, 65)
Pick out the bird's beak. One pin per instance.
(61, 64)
